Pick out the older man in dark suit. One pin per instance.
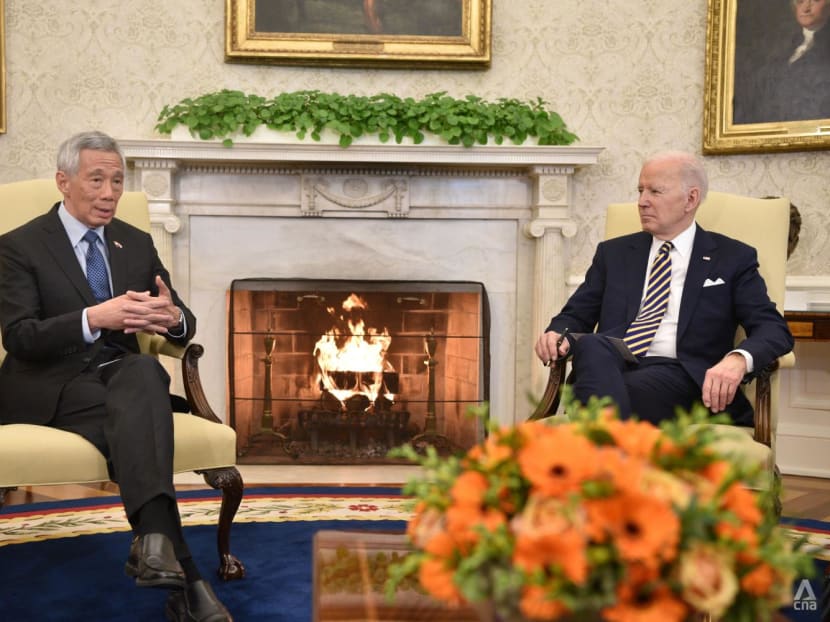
(666, 303)
(76, 285)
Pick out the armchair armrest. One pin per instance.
(763, 398)
(189, 356)
(553, 391)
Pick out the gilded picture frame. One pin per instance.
(753, 100)
(2, 67)
(360, 33)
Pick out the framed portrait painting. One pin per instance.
(767, 82)
(368, 33)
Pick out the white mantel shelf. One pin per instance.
(521, 156)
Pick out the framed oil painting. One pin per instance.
(767, 83)
(368, 33)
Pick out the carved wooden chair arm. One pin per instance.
(193, 383)
(763, 404)
(553, 391)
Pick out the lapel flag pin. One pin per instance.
(118, 244)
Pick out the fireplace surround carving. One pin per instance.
(500, 215)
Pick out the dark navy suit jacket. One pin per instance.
(609, 298)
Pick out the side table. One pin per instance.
(349, 577)
(809, 325)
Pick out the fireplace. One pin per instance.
(341, 371)
(503, 216)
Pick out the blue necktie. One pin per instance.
(96, 268)
(640, 334)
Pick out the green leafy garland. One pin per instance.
(467, 121)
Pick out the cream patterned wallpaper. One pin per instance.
(626, 75)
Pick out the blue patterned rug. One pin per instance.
(64, 561)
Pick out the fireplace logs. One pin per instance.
(356, 415)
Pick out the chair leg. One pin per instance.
(3, 492)
(229, 481)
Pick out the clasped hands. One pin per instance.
(135, 312)
(719, 385)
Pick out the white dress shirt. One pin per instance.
(665, 340)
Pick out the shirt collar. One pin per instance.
(75, 229)
(682, 242)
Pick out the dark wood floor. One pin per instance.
(806, 497)
(803, 497)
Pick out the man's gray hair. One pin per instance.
(692, 172)
(69, 153)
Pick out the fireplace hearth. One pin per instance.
(342, 371)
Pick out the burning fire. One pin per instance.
(352, 357)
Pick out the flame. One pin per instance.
(349, 346)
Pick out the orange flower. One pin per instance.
(740, 533)
(557, 460)
(759, 580)
(549, 534)
(536, 605)
(469, 489)
(469, 513)
(465, 522)
(436, 578)
(441, 545)
(492, 451)
(658, 605)
(636, 438)
(565, 550)
(739, 500)
(643, 528)
(618, 469)
(717, 471)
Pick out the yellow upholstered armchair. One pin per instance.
(763, 224)
(34, 455)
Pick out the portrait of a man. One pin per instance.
(782, 61)
(440, 18)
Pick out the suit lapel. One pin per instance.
(118, 260)
(58, 245)
(704, 257)
(635, 274)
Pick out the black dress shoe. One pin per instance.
(196, 603)
(152, 561)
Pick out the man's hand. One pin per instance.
(722, 382)
(135, 312)
(548, 348)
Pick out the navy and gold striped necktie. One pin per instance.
(640, 334)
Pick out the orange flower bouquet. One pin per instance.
(618, 520)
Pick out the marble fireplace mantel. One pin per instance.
(216, 211)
